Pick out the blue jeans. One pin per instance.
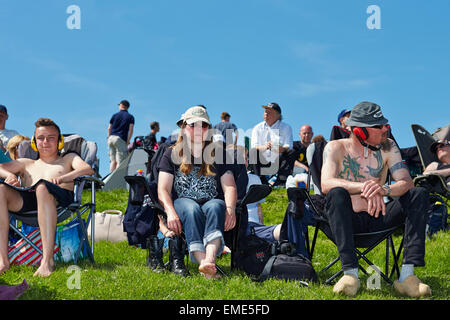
(201, 223)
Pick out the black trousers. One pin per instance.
(411, 208)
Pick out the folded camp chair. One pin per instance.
(368, 241)
(76, 209)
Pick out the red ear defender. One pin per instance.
(361, 133)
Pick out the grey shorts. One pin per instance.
(118, 149)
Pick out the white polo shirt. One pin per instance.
(279, 133)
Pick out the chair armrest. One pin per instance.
(99, 182)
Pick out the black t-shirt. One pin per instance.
(200, 189)
(300, 152)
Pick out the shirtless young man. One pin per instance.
(353, 176)
(52, 176)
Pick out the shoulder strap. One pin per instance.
(267, 268)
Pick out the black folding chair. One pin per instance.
(368, 241)
(77, 208)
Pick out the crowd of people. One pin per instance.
(198, 191)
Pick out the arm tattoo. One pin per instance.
(398, 166)
(376, 172)
(351, 169)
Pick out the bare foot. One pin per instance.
(3, 268)
(208, 276)
(208, 269)
(44, 270)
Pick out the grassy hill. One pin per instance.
(120, 271)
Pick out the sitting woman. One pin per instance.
(198, 194)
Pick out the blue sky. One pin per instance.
(312, 57)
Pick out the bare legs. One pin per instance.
(10, 200)
(208, 260)
(47, 223)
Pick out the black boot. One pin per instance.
(155, 254)
(177, 250)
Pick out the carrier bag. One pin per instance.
(24, 254)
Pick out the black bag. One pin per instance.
(253, 256)
(289, 267)
(262, 260)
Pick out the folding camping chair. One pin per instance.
(368, 241)
(140, 189)
(76, 208)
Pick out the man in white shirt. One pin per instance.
(271, 145)
(5, 134)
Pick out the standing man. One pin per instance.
(226, 128)
(51, 178)
(5, 134)
(301, 164)
(271, 146)
(120, 131)
(353, 178)
(150, 140)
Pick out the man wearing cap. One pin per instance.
(442, 167)
(271, 145)
(342, 118)
(353, 178)
(120, 131)
(5, 134)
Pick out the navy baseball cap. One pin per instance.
(3, 109)
(342, 113)
(273, 106)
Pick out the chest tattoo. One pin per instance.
(376, 172)
(351, 169)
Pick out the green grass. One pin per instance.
(120, 271)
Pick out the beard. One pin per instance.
(386, 145)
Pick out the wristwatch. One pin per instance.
(388, 190)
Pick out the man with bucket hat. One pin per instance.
(353, 178)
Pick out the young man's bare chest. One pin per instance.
(36, 170)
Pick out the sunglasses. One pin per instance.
(379, 127)
(204, 125)
(442, 145)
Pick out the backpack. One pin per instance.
(438, 215)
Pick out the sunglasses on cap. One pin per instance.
(204, 125)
